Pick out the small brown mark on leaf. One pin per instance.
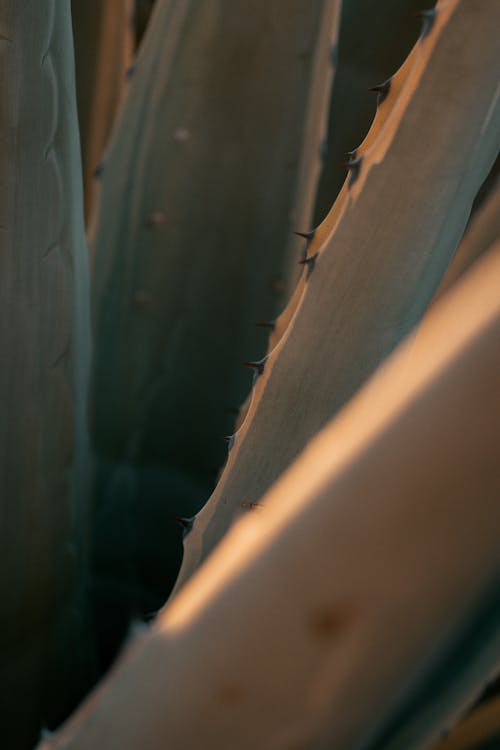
(231, 693)
(325, 622)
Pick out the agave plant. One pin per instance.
(339, 586)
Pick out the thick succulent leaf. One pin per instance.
(360, 606)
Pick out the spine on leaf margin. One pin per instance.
(374, 39)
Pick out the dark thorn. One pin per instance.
(350, 161)
(382, 90)
(427, 17)
(309, 262)
(306, 235)
(130, 71)
(323, 150)
(353, 165)
(266, 324)
(257, 366)
(229, 440)
(186, 523)
(98, 170)
(352, 154)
